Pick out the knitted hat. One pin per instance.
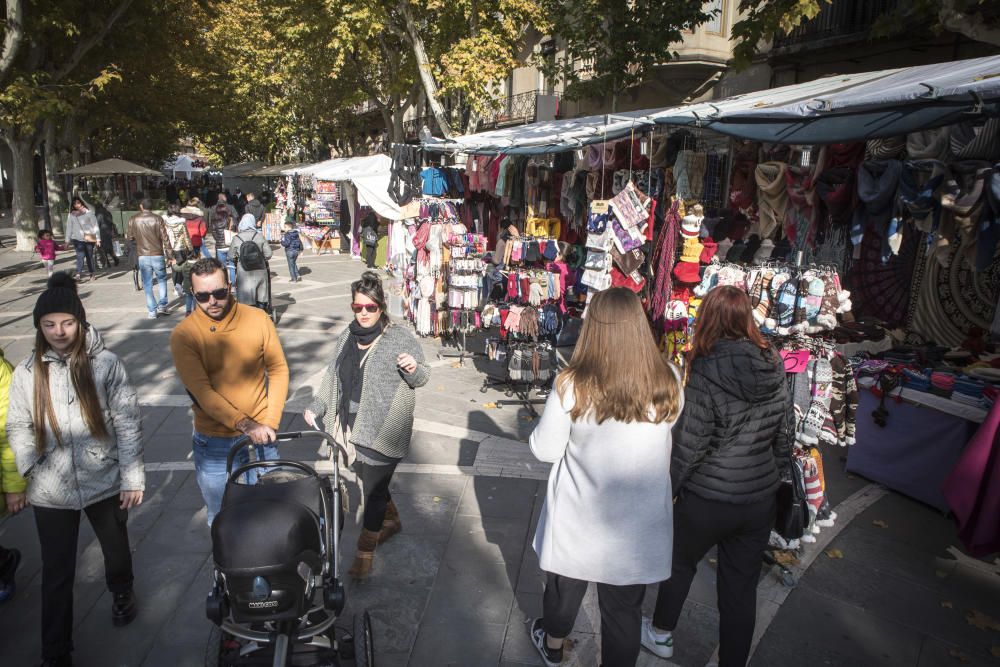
(686, 270)
(60, 297)
(709, 248)
(691, 224)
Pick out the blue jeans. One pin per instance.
(223, 256)
(210, 452)
(189, 304)
(203, 251)
(148, 266)
(293, 266)
(84, 251)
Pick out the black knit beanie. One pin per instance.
(60, 297)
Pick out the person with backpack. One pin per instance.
(369, 238)
(250, 251)
(197, 230)
(292, 244)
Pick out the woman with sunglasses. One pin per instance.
(367, 400)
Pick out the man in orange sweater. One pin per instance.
(230, 360)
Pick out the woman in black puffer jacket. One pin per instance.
(731, 444)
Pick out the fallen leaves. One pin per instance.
(456, 364)
(879, 523)
(834, 553)
(982, 621)
(490, 406)
(958, 655)
(786, 558)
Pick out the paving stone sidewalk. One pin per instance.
(460, 583)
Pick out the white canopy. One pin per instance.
(183, 165)
(369, 174)
(849, 107)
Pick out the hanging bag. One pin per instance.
(792, 516)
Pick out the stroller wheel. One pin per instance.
(364, 641)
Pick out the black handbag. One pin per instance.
(792, 516)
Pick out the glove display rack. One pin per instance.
(464, 275)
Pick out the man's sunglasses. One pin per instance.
(370, 307)
(220, 295)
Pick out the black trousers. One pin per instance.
(58, 531)
(621, 616)
(375, 480)
(370, 256)
(741, 532)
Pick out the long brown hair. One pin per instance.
(617, 371)
(82, 375)
(725, 314)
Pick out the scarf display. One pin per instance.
(919, 183)
(800, 216)
(772, 197)
(961, 202)
(989, 224)
(835, 189)
(689, 174)
(840, 155)
(969, 142)
(878, 181)
(889, 148)
(929, 144)
(742, 185)
(663, 261)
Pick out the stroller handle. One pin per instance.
(279, 437)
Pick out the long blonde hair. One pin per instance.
(616, 371)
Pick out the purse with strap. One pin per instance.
(792, 516)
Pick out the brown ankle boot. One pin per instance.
(366, 554)
(391, 524)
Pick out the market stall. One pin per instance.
(859, 212)
(116, 183)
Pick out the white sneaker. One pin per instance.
(178, 291)
(151, 316)
(658, 643)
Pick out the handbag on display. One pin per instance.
(792, 516)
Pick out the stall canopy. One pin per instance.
(112, 167)
(275, 170)
(238, 176)
(370, 176)
(850, 107)
(183, 165)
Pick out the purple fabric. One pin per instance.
(972, 490)
(914, 453)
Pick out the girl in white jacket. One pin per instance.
(73, 424)
(83, 232)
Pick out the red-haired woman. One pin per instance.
(729, 444)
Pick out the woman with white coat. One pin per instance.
(83, 232)
(607, 516)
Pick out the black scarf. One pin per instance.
(365, 335)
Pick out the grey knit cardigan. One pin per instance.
(388, 398)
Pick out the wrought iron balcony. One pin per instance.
(516, 110)
(842, 18)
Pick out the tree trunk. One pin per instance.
(23, 204)
(424, 70)
(53, 181)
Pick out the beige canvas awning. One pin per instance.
(112, 167)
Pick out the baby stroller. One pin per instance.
(277, 591)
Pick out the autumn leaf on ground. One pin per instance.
(834, 553)
(456, 364)
(489, 406)
(786, 558)
(879, 523)
(527, 418)
(982, 621)
(947, 605)
(958, 655)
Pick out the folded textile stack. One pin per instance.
(969, 391)
(916, 380)
(942, 384)
(902, 357)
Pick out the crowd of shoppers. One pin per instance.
(700, 452)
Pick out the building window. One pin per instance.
(717, 24)
(548, 52)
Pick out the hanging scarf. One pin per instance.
(969, 142)
(742, 186)
(989, 225)
(929, 144)
(835, 189)
(772, 197)
(663, 261)
(889, 148)
(365, 335)
(919, 183)
(420, 242)
(963, 195)
(878, 181)
(800, 215)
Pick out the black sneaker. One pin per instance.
(550, 656)
(123, 609)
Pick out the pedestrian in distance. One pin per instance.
(12, 486)
(607, 515)
(152, 243)
(83, 232)
(292, 244)
(180, 243)
(230, 360)
(731, 446)
(250, 251)
(75, 429)
(369, 237)
(46, 248)
(197, 229)
(222, 223)
(106, 225)
(366, 400)
(254, 208)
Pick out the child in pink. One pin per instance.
(46, 249)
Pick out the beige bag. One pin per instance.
(90, 238)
